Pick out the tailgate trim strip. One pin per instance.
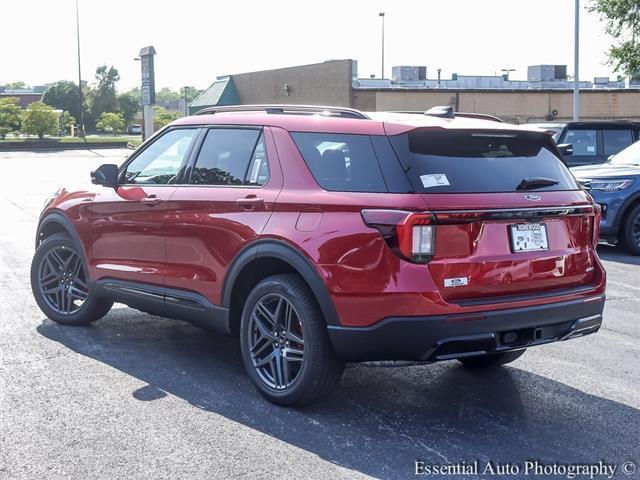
(535, 213)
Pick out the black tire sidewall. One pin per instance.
(313, 329)
(627, 236)
(92, 309)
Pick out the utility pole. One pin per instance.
(81, 119)
(147, 89)
(576, 65)
(381, 14)
(186, 109)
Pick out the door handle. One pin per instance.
(151, 200)
(249, 202)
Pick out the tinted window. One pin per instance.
(584, 142)
(616, 140)
(160, 162)
(479, 162)
(224, 156)
(339, 162)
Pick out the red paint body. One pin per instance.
(188, 236)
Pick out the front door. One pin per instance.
(127, 223)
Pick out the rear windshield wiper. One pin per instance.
(536, 182)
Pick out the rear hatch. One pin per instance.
(510, 220)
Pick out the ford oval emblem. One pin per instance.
(533, 198)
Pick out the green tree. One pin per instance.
(622, 22)
(63, 95)
(68, 121)
(15, 85)
(39, 119)
(9, 116)
(128, 105)
(111, 122)
(162, 117)
(102, 97)
(165, 94)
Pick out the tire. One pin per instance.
(297, 366)
(630, 234)
(492, 359)
(59, 284)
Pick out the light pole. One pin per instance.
(381, 14)
(576, 65)
(81, 119)
(506, 71)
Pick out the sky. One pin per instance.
(197, 40)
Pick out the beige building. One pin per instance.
(335, 83)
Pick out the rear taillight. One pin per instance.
(410, 235)
(596, 224)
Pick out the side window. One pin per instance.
(258, 171)
(160, 162)
(583, 141)
(616, 140)
(340, 162)
(225, 157)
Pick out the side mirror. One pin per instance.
(566, 149)
(106, 175)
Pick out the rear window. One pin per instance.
(341, 162)
(476, 162)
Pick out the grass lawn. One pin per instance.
(134, 140)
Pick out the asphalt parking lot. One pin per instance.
(135, 396)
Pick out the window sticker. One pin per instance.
(591, 149)
(434, 180)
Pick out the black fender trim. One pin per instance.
(55, 216)
(282, 251)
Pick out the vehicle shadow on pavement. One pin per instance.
(617, 254)
(379, 420)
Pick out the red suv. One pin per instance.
(321, 236)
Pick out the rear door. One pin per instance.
(510, 218)
(225, 203)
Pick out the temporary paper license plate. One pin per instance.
(529, 237)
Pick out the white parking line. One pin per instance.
(620, 284)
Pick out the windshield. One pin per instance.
(628, 156)
(481, 162)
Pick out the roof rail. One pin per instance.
(443, 111)
(288, 109)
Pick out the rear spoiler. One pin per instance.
(447, 112)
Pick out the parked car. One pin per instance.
(323, 235)
(615, 185)
(593, 142)
(135, 129)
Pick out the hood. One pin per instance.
(606, 170)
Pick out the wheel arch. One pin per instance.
(265, 258)
(56, 222)
(628, 204)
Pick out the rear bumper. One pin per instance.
(434, 338)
